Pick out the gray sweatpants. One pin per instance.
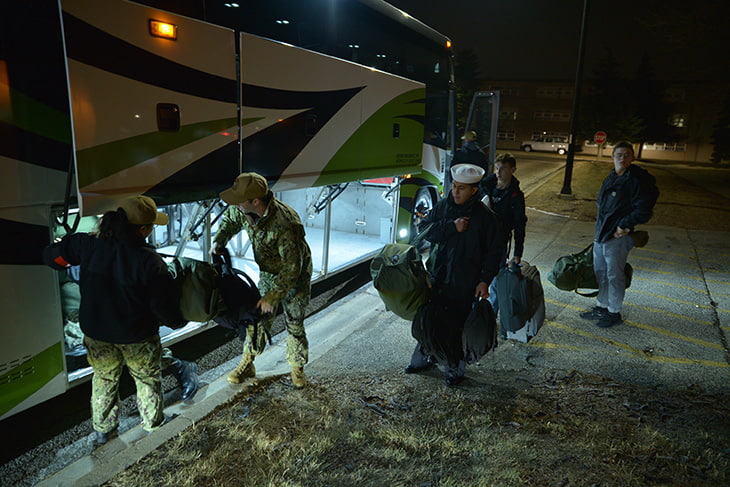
(609, 260)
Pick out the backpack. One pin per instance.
(199, 296)
(575, 271)
(480, 331)
(401, 279)
(519, 294)
(239, 295)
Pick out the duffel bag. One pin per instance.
(401, 279)
(480, 331)
(198, 281)
(575, 271)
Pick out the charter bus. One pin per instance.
(344, 106)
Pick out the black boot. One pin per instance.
(186, 374)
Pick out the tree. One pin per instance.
(721, 134)
(608, 104)
(648, 96)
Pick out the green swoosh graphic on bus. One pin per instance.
(247, 121)
(20, 382)
(36, 117)
(103, 160)
(376, 152)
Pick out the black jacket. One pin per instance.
(461, 260)
(624, 201)
(470, 154)
(126, 289)
(509, 205)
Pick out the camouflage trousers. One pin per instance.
(143, 361)
(294, 303)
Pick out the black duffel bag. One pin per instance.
(239, 295)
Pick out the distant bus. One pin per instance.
(344, 106)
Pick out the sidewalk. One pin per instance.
(674, 335)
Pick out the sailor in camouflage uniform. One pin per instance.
(126, 292)
(285, 263)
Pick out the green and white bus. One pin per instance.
(345, 106)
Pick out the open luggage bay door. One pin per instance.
(154, 104)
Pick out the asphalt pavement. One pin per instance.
(674, 335)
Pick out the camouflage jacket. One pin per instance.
(278, 245)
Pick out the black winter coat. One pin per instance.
(126, 289)
(625, 201)
(509, 205)
(461, 260)
(470, 154)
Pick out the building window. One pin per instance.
(678, 120)
(507, 115)
(548, 116)
(554, 92)
(507, 91)
(661, 146)
(507, 135)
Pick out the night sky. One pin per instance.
(527, 39)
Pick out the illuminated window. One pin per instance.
(679, 120)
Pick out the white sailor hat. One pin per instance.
(467, 173)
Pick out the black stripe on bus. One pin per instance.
(32, 148)
(201, 180)
(90, 45)
(270, 151)
(22, 243)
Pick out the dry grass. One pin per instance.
(410, 431)
(681, 204)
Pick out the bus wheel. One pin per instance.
(422, 206)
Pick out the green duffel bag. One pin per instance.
(401, 279)
(575, 271)
(198, 281)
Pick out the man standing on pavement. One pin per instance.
(277, 236)
(467, 246)
(507, 200)
(503, 195)
(626, 199)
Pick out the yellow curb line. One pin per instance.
(636, 352)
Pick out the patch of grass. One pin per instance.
(411, 431)
(679, 205)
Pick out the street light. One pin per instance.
(576, 102)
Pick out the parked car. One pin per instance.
(546, 144)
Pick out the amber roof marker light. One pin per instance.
(164, 30)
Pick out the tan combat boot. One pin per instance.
(298, 378)
(244, 370)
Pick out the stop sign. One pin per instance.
(599, 137)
